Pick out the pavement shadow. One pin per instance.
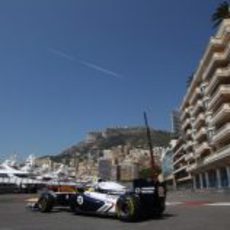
(163, 217)
(167, 216)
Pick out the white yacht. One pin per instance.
(16, 178)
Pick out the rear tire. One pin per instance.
(45, 204)
(158, 212)
(128, 208)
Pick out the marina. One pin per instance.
(29, 178)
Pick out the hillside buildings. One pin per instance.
(124, 163)
(201, 155)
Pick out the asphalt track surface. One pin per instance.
(184, 212)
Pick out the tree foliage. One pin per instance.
(222, 12)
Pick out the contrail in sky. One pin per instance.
(61, 54)
(85, 63)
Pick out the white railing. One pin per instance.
(179, 160)
(219, 73)
(221, 133)
(179, 150)
(184, 113)
(201, 133)
(188, 144)
(191, 167)
(195, 95)
(197, 106)
(221, 112)
(216, 57)
(186, 123)
(222, 90)
(200, 118)
(184, 167)
(189, 156)
(201, 148)
(220, 154)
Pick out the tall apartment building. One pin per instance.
(202, 152)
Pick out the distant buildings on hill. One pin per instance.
(121, 163)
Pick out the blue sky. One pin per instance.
(68, 67)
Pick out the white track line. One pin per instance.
(173, 203)
(219, 204)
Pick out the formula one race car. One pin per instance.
(145, 199)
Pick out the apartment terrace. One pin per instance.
(189, 156)
(200, 121)
(201, 149)
(218, 60)
(198, 107)
(222, 114)
(223, 153)
(179, 160)
(201, 133)
(179, 169)
(221, 134)
(222, 95)
(221, 76)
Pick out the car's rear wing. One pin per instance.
(149, 186)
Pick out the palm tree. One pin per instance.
(222, 12)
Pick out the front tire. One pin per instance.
(128, 208)
(45, 203)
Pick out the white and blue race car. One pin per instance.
(145, 199)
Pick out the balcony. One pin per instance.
(192, 167)
(199, 120)
(177, 144)
(179, 160)
(221, 114)
(217, 60)
(222, 154)
(215, 45)
(222, 94)
(183, 167)
(198, 106)
(222, 134)
(179, 151)
(188, 132)
(186, 178)
(185, 113)
(224, 30)
(188, 145)
(186, 124)
(201, 133)
(219, 76)
(202, 148)
(189, 156)
(196, 94)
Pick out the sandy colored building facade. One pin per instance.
(201, 155)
